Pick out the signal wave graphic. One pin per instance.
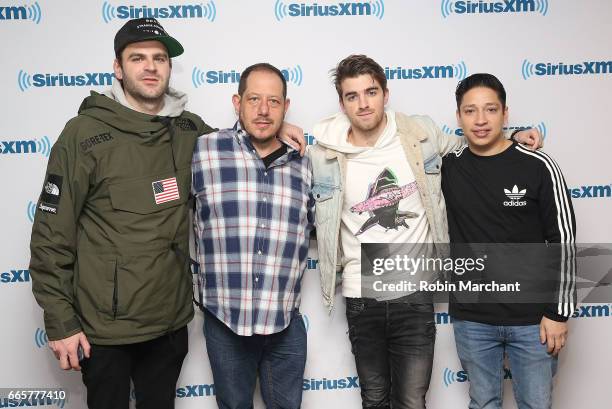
(24, 80)
(446, 7)
(209, 11)
(40, 338)
(460, 70)
(108, 12)
(540, 6)
(31, 211)
(293, 75)
(34, 13)
(43, 145)
(280, 10)
(542, 128)
(450, 377)
(378, 9)
(527, 69)
(198, 77)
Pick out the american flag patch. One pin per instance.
(165, 190)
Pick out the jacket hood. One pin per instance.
(113, 109)
(332, 133)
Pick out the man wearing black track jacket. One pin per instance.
(499, 192)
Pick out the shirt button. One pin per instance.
(263, 225)
(256, 279)
(259, 252)
(265, 173)
(265, 200)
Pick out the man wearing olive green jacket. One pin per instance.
(112, 224)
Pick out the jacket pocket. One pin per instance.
(322, 193)
(95, 284)
(433, 168)
(150, 194)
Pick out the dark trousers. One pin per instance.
(393, 344)
(236, 360)
(154, 366)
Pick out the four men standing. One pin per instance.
(110, 235)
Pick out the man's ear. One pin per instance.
(117, 69)
(236, 103)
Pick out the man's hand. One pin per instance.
(66, 350)
(554, 334)
(531, 138)
(294, 136)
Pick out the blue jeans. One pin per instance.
(393, 344)
(481, 351)
(236, 360)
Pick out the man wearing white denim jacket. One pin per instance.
(376, 178)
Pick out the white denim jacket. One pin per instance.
(424, 145)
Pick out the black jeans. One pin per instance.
(154, 366)
(393, 344)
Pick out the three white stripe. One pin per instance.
(566, 300)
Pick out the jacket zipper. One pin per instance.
(115, 294)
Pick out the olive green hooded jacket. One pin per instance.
(111, 230)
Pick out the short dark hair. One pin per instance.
(355, 65)
(480, 80)
(262, 66)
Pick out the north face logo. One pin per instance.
(515, 195)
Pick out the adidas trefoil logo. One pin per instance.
(515, 195)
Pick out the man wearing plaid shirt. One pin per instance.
(252, 223)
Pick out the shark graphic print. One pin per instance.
(382, 203)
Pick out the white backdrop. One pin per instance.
(433, 43)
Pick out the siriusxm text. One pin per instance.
(81, 80)
(173, 11)
(331, 10)
(483, 7)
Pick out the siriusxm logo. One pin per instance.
(540, 69)
(26, 146)
(449, 7)
(310, 139)
(540, 127)
(31, 12)
(311, 263)
(40, 338)
(458, 71)
(206, 11)
(87, 79)
(15, 276)
(200, 77)
(461, 376)
(375, 8)
(590, 192)
(28, 401)
(592, 311)
(443, 318)
(325, 384)
(192, 391)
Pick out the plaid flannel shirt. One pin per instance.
(252, 225)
